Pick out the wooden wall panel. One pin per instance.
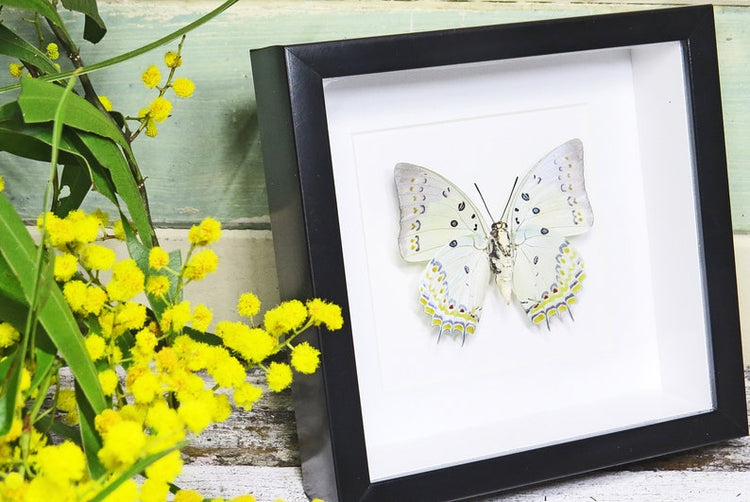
(206, 158)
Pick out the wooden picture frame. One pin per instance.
(652, 364)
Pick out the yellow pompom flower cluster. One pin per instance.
(164, 377)
(157, 258)
(288, 319)
(73, 231)
(151, 77)
(106, 103)
(8, 335)
(207, 232)
(324, 313)
(248, 305)
(172, 59)
(305, 358)
(15, 70)
(183, 87)
(53, 52)
(160, 108)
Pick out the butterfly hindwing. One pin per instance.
(434, 212)
(547, 274)
(453, 285)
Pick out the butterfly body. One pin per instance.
(502, 255)
(526, 251)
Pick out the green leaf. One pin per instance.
(78, 182)
(90, 439)
(94, 28)
(42, 7)
(10, 111)
(137, 251)
(19, 252)
(10, 289)
(45, 353)
(100, 136)
(89, 151)
(109, 155)
(14, 46)
(31, 141)
(200, 336)
(10, 369)
(34, 141)
(38, 101)
(48, 423)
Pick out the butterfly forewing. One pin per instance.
(434, 213)
(551, 197)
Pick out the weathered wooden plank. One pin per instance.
(720, 472)
(206, 159)
(269, 484)
(264, 436)
(272, 419)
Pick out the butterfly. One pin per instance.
(526, 252)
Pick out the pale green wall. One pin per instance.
(206, 158)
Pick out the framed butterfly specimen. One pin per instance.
(526, 252)
(652, 363)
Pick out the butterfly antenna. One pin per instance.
(484, 201)
(507, 202)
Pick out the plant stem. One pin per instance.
(57, 125)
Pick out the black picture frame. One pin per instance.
(305, 217)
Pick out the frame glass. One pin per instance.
(652, 362)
